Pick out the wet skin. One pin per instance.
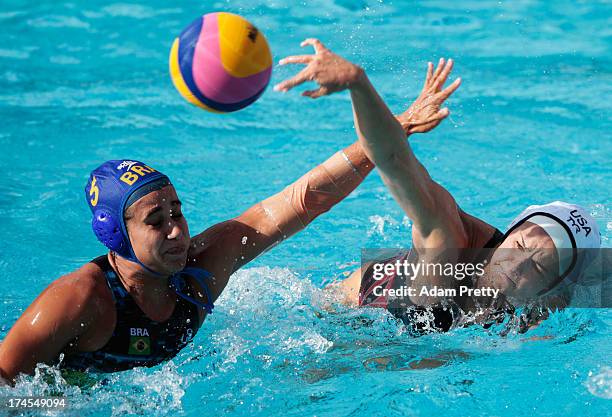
(523, 265)
(158, 231)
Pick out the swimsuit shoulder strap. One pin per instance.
(102, 262)
(182, 288)
(495, 240)
(117, 289)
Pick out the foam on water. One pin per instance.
(277, 341)
(599, 383)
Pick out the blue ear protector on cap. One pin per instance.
(108, 230)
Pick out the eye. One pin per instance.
(154, 221)
(156, 224)
(521, 243)
(538, 268)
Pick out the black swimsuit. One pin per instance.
(137, 340)
(419, 319)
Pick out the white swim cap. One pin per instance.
(570, 227)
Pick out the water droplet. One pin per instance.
(244, 240)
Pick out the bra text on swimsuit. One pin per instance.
(137, 331)
(133, 171)
(577, 222)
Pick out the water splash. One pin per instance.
(600, 383)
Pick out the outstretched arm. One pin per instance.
(227, 246)
(432, 209)
(436, 217)
(286, 213)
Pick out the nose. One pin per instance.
(175, 230)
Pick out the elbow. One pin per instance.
(386, 160)
(6, 374)
(314, 202)
(396, 164)
(395, 159)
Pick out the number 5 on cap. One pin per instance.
(94, 190)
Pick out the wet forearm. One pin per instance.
(379, 131)
(384, 141)
(320, 189)
(284, 214)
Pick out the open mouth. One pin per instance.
(178, 250)
(499, 271)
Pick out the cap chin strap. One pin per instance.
(157, 274)
(177, 281)
(136, 260)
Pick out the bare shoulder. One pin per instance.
(87, 281)
(461, 230)
(217, 249)
(478, 232)
(74, 307)
(80, 292)
(347, 290)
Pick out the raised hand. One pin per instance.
(425, 113)
(332, 72)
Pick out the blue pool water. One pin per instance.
(83, 82)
